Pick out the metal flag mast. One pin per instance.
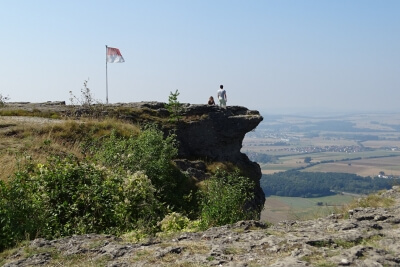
(106, 77)
(113, 55)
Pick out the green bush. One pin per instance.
(6, 232)
(151, 153)
(224, 199)
(174, 222)
(139, 208)
(65, 197)
(124, 185)
(20, 209)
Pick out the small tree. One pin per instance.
(3, 100)
(307, 159)
(174, 107)
(86, 97)
(87, 101)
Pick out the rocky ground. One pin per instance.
(368, 237)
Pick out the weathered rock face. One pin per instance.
(214, 134)
(210, 133)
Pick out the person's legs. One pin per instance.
(222, 103)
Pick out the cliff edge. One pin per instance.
(206, 134)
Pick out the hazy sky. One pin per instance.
(274, 56)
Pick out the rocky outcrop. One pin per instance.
(209, 134)
(214, 134)
(369, 237)
(205, 133)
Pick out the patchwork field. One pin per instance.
(364, 144)
(364, 167)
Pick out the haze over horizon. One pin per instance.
(275, 56)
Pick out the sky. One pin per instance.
(276, 56)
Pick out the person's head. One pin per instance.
(211, 98)
(221, 86)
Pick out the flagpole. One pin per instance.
(106, 79)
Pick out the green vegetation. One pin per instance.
(152, 153)
(105, 177)
(224, 199)
(312, 184)
(174, 107)
(373, 200)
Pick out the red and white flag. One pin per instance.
(114, 55)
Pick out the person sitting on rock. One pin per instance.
(211, 101)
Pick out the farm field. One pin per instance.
(363, 144)
(277, 209)
(386, 161)
(364, 167)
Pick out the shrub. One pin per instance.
(151, 153)
(173, 222)
(20, 209)
(92, 107)
(140, 206)
(6, 233)
(65, 197)
(224, 199)
(84, 198)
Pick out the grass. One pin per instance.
(30, 113)
(283, 208)
(80, 260)
(317, 259)
(21, 138)
(373, 201)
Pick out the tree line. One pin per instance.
(317, 184)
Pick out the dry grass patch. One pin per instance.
(30, 113)
(371, 201)
(82, 260)
(38, 138)
(195, 247)
(232, 250)
(225, 166)
(7, 165)
(318, 259)
(142, 255)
